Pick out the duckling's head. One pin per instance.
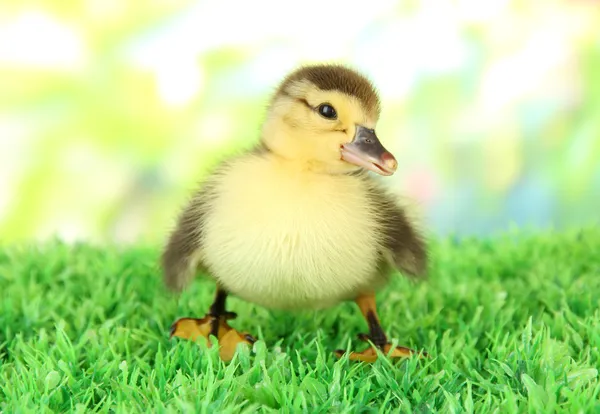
(324, 117)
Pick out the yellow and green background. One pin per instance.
(111, 111)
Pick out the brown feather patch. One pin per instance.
(402, 241)
(339, 78)
(177, 259)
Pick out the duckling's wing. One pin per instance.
(403, 243)
(181, 256)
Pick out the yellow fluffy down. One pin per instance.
(287, 238)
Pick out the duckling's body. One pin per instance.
(298, 223)
(285, 238)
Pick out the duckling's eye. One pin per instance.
(327, 111)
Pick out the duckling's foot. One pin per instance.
(376, 336)
(215, 324)
(370, 354)
(228, 338)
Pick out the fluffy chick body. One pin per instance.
(285, 238)
(298, 222)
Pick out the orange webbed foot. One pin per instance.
(227, 337)
(370, 354)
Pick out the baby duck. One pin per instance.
(298, 223)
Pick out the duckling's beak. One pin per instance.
(366, 151)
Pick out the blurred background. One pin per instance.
(111, 111)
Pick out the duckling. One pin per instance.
(298, 222)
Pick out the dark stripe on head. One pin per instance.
(338, 78)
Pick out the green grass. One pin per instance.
(512, 325)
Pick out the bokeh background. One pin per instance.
(112, 110)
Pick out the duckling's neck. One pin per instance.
(284, 143)
(301, 165)
(291, 164)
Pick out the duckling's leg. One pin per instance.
(218, 311)
(214, 323)
(376, 336)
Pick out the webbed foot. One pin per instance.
(376, 336)
(227, 337)
(370, 354)
(215, 324)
